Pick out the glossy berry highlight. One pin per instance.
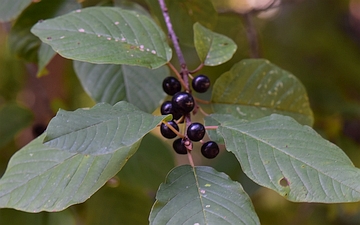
(171, 85)
(195, 131)
(167, 132)
(210, 149)
(201, 83)
(179, 146)
(183, 102)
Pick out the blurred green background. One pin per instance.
(316, 40)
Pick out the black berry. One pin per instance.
(195, 131)
(183, 102)
(210, 149)
(179, 146)
(201, 83)
(171, 85)
(166, 131)
(167, 108)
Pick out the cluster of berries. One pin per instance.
(181, 104)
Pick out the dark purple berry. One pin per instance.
(171, 85)
(195, 131)
(201, 83)
(167, 108)
(166, 131)
(179, 146)
(183, 102)
(210, 149)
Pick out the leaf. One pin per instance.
(21, 41)
(295, 161)
(149, 167)
(83, 150)
(215, 120)
(106, 35)
(11, 9)
(255, 88)
(13, 118)
(212, 48)
(101, 130)
(45, 55)
(42, 178)
(201, 195)
(112, 83)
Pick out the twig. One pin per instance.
(184, 70)
(178, 75)
(173, 129)
(211, 127)
(197, 69)
(191, 161)
(201, 100)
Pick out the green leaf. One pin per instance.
(83, 150)
(212, 48)
(100, 130)
(255, 88)
(21, 41)
(42, 178)
(112, 83)
(13, 118)
(106, 35)
(295, 161)
(201, 195)
(215, 120)
(45, 55)
(10, 9)
(149, 167)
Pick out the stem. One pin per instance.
(184, 70)
(191, 161)
(197, 69)
(201, 100)
(178, 75)
(211, 127)
(173, 129)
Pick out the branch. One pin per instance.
(184, 70)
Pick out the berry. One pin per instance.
(166, 131)
(167, 108)
(183, 102)
(201, 83)
(210, 149)
(179, 146)
(196, 131)
(171, 85)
